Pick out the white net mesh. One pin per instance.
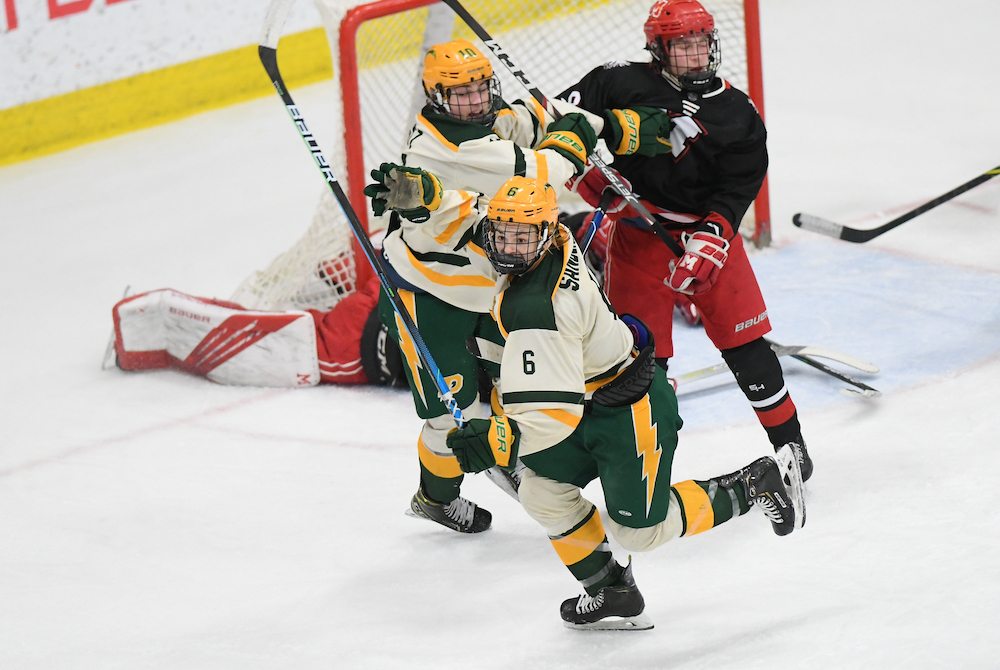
(555, 42)
(316, 273)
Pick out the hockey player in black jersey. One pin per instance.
(699, 191)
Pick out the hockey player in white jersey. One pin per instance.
(472, 142)
(580, 398)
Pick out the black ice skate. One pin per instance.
(762, 481)
(802, 456)
(460, 514)
(617, 607)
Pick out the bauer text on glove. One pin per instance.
(571, 136)
(484, 443)
(639, 130)
(704, 255)
(412, 192)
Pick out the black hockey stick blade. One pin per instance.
(848, 234)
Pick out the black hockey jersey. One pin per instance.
(719, 155)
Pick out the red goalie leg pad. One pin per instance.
(215, 339)
(338, 336)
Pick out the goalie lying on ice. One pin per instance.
(228, 344)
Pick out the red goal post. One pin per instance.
(575, 36)
(378, 49)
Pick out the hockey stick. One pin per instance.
(595, 221)
(613, 179)
(795, 351)
(865, 390)
(493, 352)
(268, 51)
(825, 227)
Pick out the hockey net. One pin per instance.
(377, 51)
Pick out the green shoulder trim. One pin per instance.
(474, 234)
(543, 396)
(527, 303)
(454, 130)
(438, 257)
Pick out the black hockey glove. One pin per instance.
(484, 443)
(412, 192)
(639, 130)
(573, 137)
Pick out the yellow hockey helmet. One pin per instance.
(459, 64)
(522, 221)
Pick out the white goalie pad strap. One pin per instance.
(229, 346)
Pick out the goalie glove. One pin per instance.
(639, 130)
(704, 255)
(484, 443)
(572, 137)
(412, 192)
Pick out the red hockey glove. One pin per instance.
(591, 184)
(484, 443)
(704, 255)
(690, 312)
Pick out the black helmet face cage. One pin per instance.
(512, 248)
(698, 80)
(460, 107)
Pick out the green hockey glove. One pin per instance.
(412, 192)
(573, 137)
(640, 130)
(484, 443)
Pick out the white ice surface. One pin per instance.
(160, 521)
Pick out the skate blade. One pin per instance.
(860, 393)
(791, 475)
(637, 622)
(504, 480)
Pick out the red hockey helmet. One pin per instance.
(676, 20)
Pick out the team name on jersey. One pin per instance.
(571, 275)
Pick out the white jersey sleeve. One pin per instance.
(526, 121)
(443, 256)
(465, 157)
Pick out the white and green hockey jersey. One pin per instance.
(444, 256)
(562, 342)
(472, 157)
